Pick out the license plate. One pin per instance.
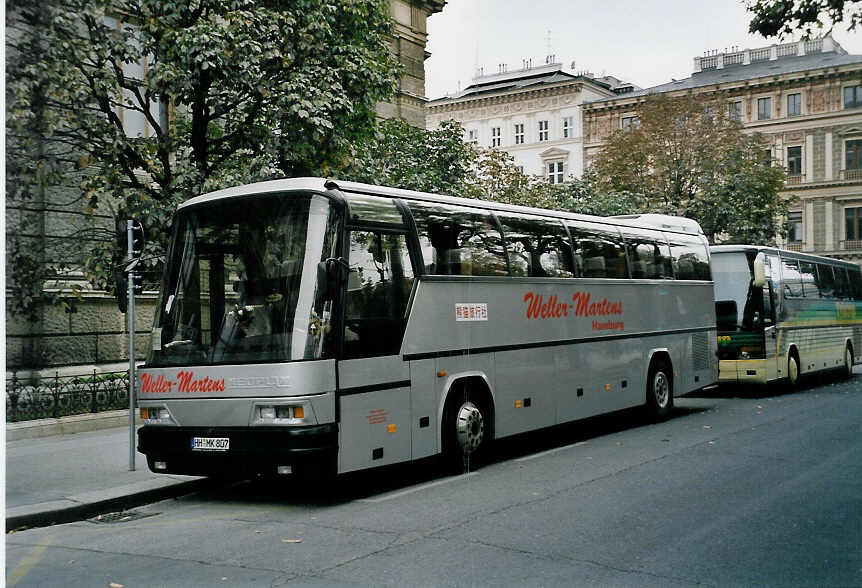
(210, 443)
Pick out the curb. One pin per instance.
(79, 423)
(69, 510)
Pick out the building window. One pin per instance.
(555, 172)
(852, 96)
(519, 134)
(853, 224)
(495, 136)
(568, 127)
(764, 108)
(794, 104)
(734, 110)
(473, 136)
(543, 130)
(794, 161)
(794, 227)
(628, 123)
(853, 154)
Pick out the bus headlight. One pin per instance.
(156, 415)
(283, 414)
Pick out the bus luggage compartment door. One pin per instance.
(374, 412)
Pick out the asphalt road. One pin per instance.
(752, 490)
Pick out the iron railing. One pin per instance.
(52, 397)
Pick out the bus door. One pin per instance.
(775, 367)
(373, 379)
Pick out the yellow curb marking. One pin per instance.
(30, 560)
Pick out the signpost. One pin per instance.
(135, 239)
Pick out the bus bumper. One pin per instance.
(251, 451)
(742, 371)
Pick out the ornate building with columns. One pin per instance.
(91, 333)
(805, 99)
(533, 113)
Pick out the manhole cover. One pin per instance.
(121, 517)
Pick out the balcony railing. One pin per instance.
(851, 174)
(850, 244)
(794, 179)
(793, 246)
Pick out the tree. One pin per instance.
(584, 196)
(776, 18)
(402, 156)
(687, 157)
(226, 91)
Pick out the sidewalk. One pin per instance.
(73, 476)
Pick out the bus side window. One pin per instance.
(689, 257)
(649, 254)
(538, 247)
(458, 241)
(807, 277)
(842, 284)
(378, 288)
(825, 281)
(600, 249)
(855, 276)
(791, 278)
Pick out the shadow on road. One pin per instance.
(773, 389)
(318, 493)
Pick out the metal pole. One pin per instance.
(131, 311)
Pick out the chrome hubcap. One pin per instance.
(792, 370)
(469, 427)
(661, 389)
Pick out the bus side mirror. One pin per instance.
(760, 270)
(330, 276)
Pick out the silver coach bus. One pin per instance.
(307, 324)
(782, 314)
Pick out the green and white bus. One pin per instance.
(781, 314)
(314, 324)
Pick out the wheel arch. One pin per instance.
(658, 354)
(453, 384)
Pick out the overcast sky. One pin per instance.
(646, 42)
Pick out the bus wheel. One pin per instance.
(848, 361)
(465, 431)
(793, 370)
(659, 391)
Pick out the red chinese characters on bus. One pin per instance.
(185, 383)
(582, 305)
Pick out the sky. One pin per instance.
(646, 42)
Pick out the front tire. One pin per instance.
(659, 391)
(465, 431)
(793, 371)
(848, 361)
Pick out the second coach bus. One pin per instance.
(310, 324)
(782, 314)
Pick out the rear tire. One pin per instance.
(848, 361)
(466, 430)
(659, 391)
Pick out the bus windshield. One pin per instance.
(738, 304)
(245, 282)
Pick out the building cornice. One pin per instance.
(727, 89)
(508, 97)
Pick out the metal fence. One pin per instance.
(51, 397)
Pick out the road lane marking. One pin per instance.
(550, 451)
(399, 494)
(29, 560)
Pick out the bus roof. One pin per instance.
(322, 185)
(783, 252)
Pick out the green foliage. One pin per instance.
(687, 158)
(772, 18)
(584, 196)
(403, 156)
(231, 91)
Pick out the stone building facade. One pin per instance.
(805, 99)
(533, 113)
(87, 329)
